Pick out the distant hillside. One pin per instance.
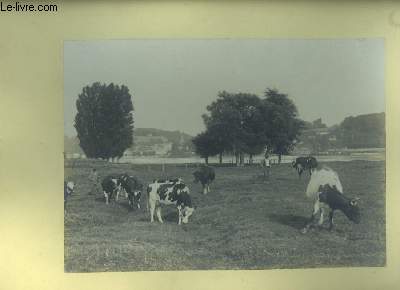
(362, 131)
(172, 136)
(173, 143)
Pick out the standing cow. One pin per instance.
(206, 175)
(305, 163)
(111, 184)
(325, 189)
(133, 189)
(169, 193)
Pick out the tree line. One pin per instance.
(236, 123)
(242, 124)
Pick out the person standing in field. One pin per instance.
(267, 163)
(94, 181)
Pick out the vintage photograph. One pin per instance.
(224, 154)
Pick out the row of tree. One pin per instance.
(243, 123)
(236, 124)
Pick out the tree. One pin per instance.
(206, 145)
(243, 123)
(104, 120)
(282, 125)
(237, 121)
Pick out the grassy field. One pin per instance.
(246, 222)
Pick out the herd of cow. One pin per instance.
(324, 189)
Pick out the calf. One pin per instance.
(133, 189)
(305, 163)
(325, 188)
(169, 193)
(206, 175)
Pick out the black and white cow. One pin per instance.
(68, 190)
(133, 189)
(206, 175)
(305, 163)
(169, 192)
(111, 184)
(326, 190)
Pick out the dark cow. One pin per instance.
(325, 188)
(206, 175)
(335, 200)
(304, 163)
(133, 189)
(111, 184)
(68, 190)
(170, 192)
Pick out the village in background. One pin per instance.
(359, 134)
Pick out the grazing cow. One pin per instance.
(110, 184)
(133, 189)
(325, 188)
(169, 192)
(68, 190)
(206, 175)
(304, 163)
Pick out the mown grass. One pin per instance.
(246, 222)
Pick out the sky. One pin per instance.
(173, 81)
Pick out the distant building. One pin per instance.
(316, 138)
(150, 145)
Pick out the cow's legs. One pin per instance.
(299, 171)
(208, 188)
(331, 220)
(152, 208)
(321, 218)
(315, 211)
(204, 189)
(118, 189)
(179, 215)
(106, 196)
(159, 214)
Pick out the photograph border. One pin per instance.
(31, 144)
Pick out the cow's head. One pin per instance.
(294, 163)
(352, 211)
(186, 213)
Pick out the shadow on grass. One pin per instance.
(170, 216)
(144, 216)
(297, 222)
(100, 199)
(122, 203)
